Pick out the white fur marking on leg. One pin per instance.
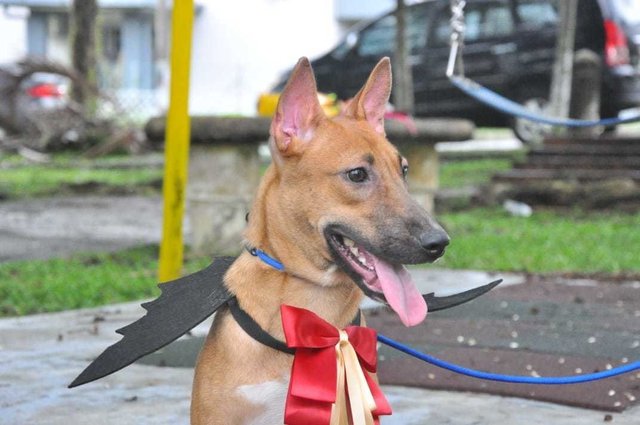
(271, 395)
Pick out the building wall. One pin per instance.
(240, 48)
(13, 33)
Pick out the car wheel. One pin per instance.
(531, 132)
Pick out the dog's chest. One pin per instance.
(270, 396)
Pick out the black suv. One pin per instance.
(509, 48)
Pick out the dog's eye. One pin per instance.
(358, 175)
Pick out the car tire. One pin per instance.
(529, 132)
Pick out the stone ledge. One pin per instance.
(214, 129)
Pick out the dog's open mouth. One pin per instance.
(380, 280)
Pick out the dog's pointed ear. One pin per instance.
(298, 111)
(371, 101)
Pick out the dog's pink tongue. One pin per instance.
(401, 293)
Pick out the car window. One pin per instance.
(497, 21)
(441, 33)
(379, 39)
(482, 21)
(342, 49)
(417, 28)
(537, 13)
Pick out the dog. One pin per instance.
(334, 208)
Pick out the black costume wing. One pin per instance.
(186, 302)
(182, 305)
(441, 303)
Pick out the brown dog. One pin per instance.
(334, 208)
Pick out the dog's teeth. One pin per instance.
(362, 260)
(348, 242)
(355, 251)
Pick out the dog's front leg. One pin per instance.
(238, 380)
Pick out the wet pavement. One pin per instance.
(541, 327)
(57, 227)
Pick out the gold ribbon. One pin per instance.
(351, 376)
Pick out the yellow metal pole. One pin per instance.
(177, 142)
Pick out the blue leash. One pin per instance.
(513, 379)
(510, 107)
(488, 376)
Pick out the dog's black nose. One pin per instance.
(434, 242)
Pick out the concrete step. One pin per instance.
(612, 149)
(564, 161)
(583, 175)
(582, 141)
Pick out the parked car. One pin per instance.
(35, 105)
(509, 48)
(25, 95)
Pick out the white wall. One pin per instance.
(13, 33)
(241, 47)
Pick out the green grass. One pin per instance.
(547, 242)
(38, 181)
(482, 239)
(456, 174)
(493, 133)
(28, 287)
(23, 181)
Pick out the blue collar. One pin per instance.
(265, 258)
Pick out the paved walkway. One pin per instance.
(40, 355)
(55, 227)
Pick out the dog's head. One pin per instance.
(341, 192)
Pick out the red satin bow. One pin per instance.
(314, 375)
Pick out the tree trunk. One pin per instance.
(83, 49)
(403, 79)
(560, 96)
(585, 92)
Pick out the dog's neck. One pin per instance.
(287, 236)
(308, 281)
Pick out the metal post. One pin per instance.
(177, 142)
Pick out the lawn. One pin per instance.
(456, 174)
(87, 280)
(546, 242)
(482, 239)
(23, 180)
